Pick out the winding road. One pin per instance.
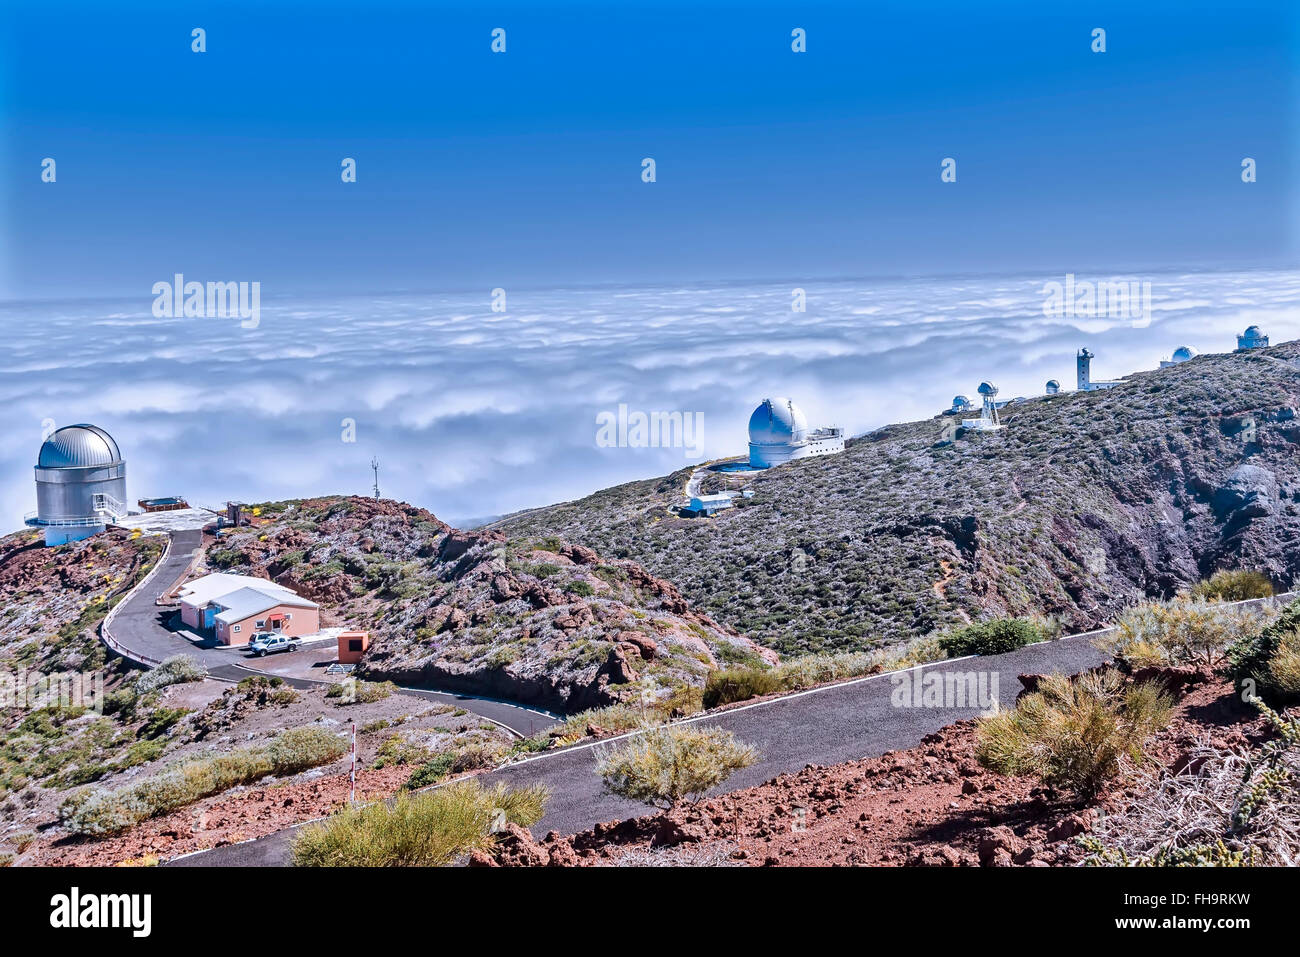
(831, 724)
(137, 629)
(827, 725)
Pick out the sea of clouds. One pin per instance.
(473, 413)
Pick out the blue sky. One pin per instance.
(481, 170)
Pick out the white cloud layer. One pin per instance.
(473, 413)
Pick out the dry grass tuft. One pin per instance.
(430, 829)
(1076, 735)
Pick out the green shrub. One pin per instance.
(224, 557)
(1074, 734)
(122, 701)
(431, 772)
(1238, 585)
(672, 763)
(301, 748)
(1250, 658)
(398, 749)
(161, 721)
(739, 684)
(991, 637)
(354, 691)
(1181, 631)
(177, 669)
(73, 803)
(478, 755)
(109, 812)
(430, 829)
(807, 671)
(1284, 666)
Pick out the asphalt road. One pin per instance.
(139, 630)
(828, 725)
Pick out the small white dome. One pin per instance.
(1053, 387)
(960, 402)
(777, 422)
(988, 388)
(1183, 353)
(1252, 332)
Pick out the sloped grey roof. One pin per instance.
(238, 605)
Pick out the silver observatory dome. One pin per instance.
(80, 483)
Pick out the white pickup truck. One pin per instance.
(265, 643)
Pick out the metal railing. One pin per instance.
(106, 509)
(103, 502)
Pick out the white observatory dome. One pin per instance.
(960, 402)
(988, 388)
(1253, 332)
(1053, 387)
(79, 446)
(1183, 353)
(777, 422)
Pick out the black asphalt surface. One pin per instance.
(828, 725)
(139, 630)
(137, 625)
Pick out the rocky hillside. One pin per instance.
(52, 599)
(1083, 503)
(531, 619)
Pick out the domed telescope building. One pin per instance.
(1252, 338)
(779, 433)
(1181, 354)
(80, 484)
(989, 420)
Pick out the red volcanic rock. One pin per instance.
(644, 644)
(1177, 679)
(1071, 825)
(505, 587)
(580, 555)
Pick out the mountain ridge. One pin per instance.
(1081, 504)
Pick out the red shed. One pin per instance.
(352, 645)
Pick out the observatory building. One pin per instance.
(959, 404)
(1181, 354)
(989, 420)
(779, 433)
(1086, 382)
(1053, 387)
(1252, 338)
(80, 484)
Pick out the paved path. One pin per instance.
(827, 725)
(137, 629)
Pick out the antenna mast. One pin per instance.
(374, 467)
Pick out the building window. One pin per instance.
(261, 624)
(237, 627)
